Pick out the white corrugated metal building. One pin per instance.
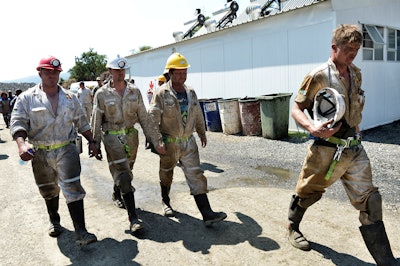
(272, 54)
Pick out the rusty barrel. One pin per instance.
(250, 116)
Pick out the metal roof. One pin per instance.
(295, 4)
(286, 6)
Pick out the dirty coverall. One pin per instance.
(175, 129)
(56, 159)
(113, 121)
(353, 168)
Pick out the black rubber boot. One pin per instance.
(117, 198)
(83, 237)
(209, 217)
(377, 242)
(135, 222)
(55, 228)
(165, 202)
(295, 216)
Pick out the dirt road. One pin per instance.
(253, 234)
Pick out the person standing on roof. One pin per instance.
(49, 117)
(118, 106)
(174, 114)
(337, 152)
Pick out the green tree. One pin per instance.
(89, 66)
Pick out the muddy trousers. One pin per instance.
(377, 242)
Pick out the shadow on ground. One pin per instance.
(338, 258)
(104, 252)
(180, 228)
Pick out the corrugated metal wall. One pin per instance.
(266, 56)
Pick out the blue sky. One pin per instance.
(33, 29)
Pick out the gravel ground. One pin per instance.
(250, 178)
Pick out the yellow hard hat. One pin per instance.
(176, 61)
(162, 78)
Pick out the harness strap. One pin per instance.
(168, 139)
(125, 131)
(349, 142)
(52, 147)
(341, 144)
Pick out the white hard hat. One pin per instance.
(328, 104)
(118, 63)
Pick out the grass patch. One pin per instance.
(298, 135)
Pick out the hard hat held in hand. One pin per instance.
(176, 61)
(328, 104)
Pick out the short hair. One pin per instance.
(347, 33)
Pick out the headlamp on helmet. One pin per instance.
(118, 63)
(49, 62)
(328, 105)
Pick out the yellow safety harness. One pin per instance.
(125, 131)
(341, 144)
(52, 147)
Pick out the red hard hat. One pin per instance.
(49, 62)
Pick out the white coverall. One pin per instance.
(56, 159)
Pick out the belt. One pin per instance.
(168, 139)
(125, 131)
(52, 147)
(346, 143)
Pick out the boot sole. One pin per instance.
(169, 212)
(55, 230)
(296, 238)
(135, 228)
(119, 204)
(85, 242)
(209, 223)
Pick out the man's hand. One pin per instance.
(325, 131)
(26, 152)
(94, 151)
(161, 149)
(203, 141)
